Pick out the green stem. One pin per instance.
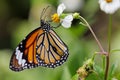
(109, 46)
(98, 42)
(109, 33)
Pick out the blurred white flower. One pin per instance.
(73, 5)
(114, 79)
(67, 21)
(109, 6)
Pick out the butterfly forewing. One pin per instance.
(24, 55)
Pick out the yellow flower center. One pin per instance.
(108, 1)
(55, 18)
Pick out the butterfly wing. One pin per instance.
(51, 51)
(24, 55)
(42, 47)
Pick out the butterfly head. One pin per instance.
(45, 25)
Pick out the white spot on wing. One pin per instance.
(17, 53)
(23, 62)
(19, 57)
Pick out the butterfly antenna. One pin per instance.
(43, 12)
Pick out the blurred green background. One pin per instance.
(20, 17)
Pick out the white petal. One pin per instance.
(60, 9)
(67, 21)
(68, 18)
(66, 24)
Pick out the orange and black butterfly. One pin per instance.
(42, 47)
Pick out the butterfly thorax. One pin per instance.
(45, 26)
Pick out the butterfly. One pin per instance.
(41, 47)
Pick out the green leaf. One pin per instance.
(112, 71)
(115, 50)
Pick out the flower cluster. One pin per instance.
(86, 69)
(66, 21)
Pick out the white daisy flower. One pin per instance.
(67, 21)
(109, 6)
